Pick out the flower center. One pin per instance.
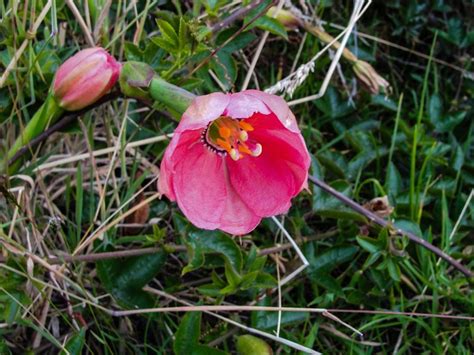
(229, 136)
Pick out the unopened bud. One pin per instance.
(369, 78)
(85, 78)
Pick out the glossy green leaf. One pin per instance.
(271, 25)
(75, 343)
(212, 242)
(124, 279)
(369, 244)
(187, 336)
(269, 320)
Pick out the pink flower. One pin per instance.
(234, 159)
(85, 78)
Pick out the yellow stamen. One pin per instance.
(230, 135)
(244, 149)
(224, 144)
(234, 154)
(243, 136)
(246, 126)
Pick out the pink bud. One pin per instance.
(85, 78)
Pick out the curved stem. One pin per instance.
(386, 224)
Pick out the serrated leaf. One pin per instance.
(184, 38)
(165, 44)
(168, 32)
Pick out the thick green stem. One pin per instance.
(47, 114)
(172, 96)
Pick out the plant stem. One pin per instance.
(386, 224)
(48, 113)
(172, 96)
(63, 122)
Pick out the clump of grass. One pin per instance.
(89, 250)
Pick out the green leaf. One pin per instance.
(393, 270)
(206, 242)
(238, 43)
(168, 32)
(435, 108)
(187, 336)
(331, 258)
(132, 52)
(269, 320)
(165, 44)
(329, 206)
(206, 350)
(75, 344)
(184, 39)
(393, 180)
(325, 280)
(271, 25)
(124, 279)
(369, 244)
(384, 101)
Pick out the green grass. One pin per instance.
(414, 145)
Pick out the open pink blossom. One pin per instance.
(234, 159)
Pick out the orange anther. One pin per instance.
(244, 149)
(224, 144)
(246, 126)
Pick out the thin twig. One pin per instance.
(244, 10)
(386, 224)
(244, 327)
(80, 20)
(93, 257)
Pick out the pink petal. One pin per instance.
(278, 106)
(237, 218)
(244, 106)
(198, 180)
(203, 110)
(180, 142)
(88, 89)
(199, 185)
(71, 64)
(267, 183)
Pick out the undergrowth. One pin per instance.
(414, 145)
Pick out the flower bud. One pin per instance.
(85, 78)
(285, 17)
(369, 78)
